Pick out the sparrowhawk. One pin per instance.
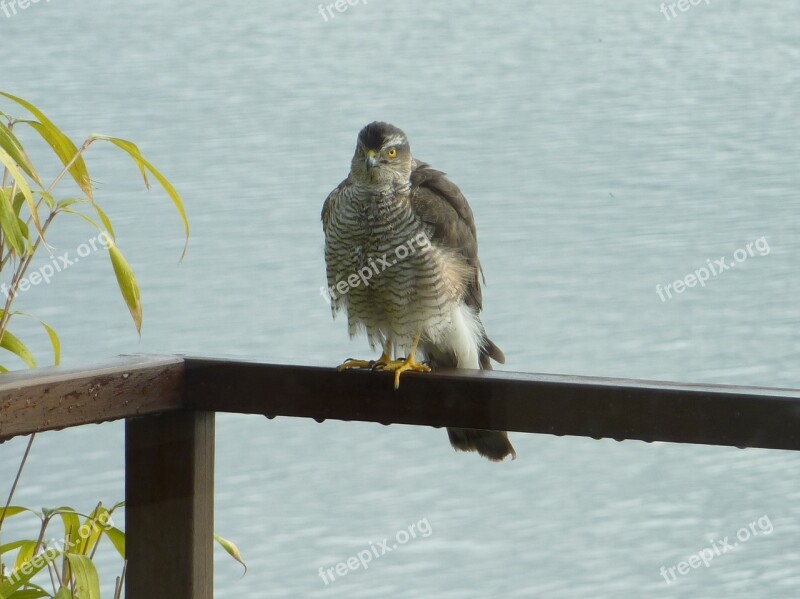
(401, 252)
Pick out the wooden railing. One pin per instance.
(169, 404)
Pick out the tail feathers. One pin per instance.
(493, 445)
(490, 350)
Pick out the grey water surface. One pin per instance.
(606, 149)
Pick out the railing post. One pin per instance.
(169, 510)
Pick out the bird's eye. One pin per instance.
(392, 152)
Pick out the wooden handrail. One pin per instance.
(59, 397)
(129, 386)
(169, 403)
(533, 403)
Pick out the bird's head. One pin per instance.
(383, 156)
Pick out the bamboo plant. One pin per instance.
(29, 206)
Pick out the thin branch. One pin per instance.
(16, 480)
(121, 581)
(93, 519)
(82, 149)
(17, 477)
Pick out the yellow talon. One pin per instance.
(351, 363)
(385, 362)
(409, 364)
(371, 364)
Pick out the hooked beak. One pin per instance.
(372, 159)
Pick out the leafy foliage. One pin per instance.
(67, 559)
(28, 209)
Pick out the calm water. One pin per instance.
(605, 149)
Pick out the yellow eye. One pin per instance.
(392, 152)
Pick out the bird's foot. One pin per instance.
(353, 363)
(400, 366)
(371, 364)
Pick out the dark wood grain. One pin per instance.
(169, 506)
(535, 403)
(58, 397)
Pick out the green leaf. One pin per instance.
(117, 538)
(10, 225)
(15, 346)
(145, 166)
(66, 151)
(54, 341)
(59, 142)
(127, 285)
(13, 510)
(47, 197)
(94, 524)
(85, 574)
(232, 550)
(11, 546)
(83, 216)
(72, 525)
(69, 202)
(10, 143)
(31, 594)
(105, 220)
(25, 553)
(132, 150)
(22, 183)
(17, 202)
(64, 593)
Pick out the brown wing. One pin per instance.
(327, 208)
(329, 201)
(439, 202)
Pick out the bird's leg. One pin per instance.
(409, 363)
(386, 357)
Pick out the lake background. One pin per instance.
(605, 149)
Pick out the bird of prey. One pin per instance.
(401, 253)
